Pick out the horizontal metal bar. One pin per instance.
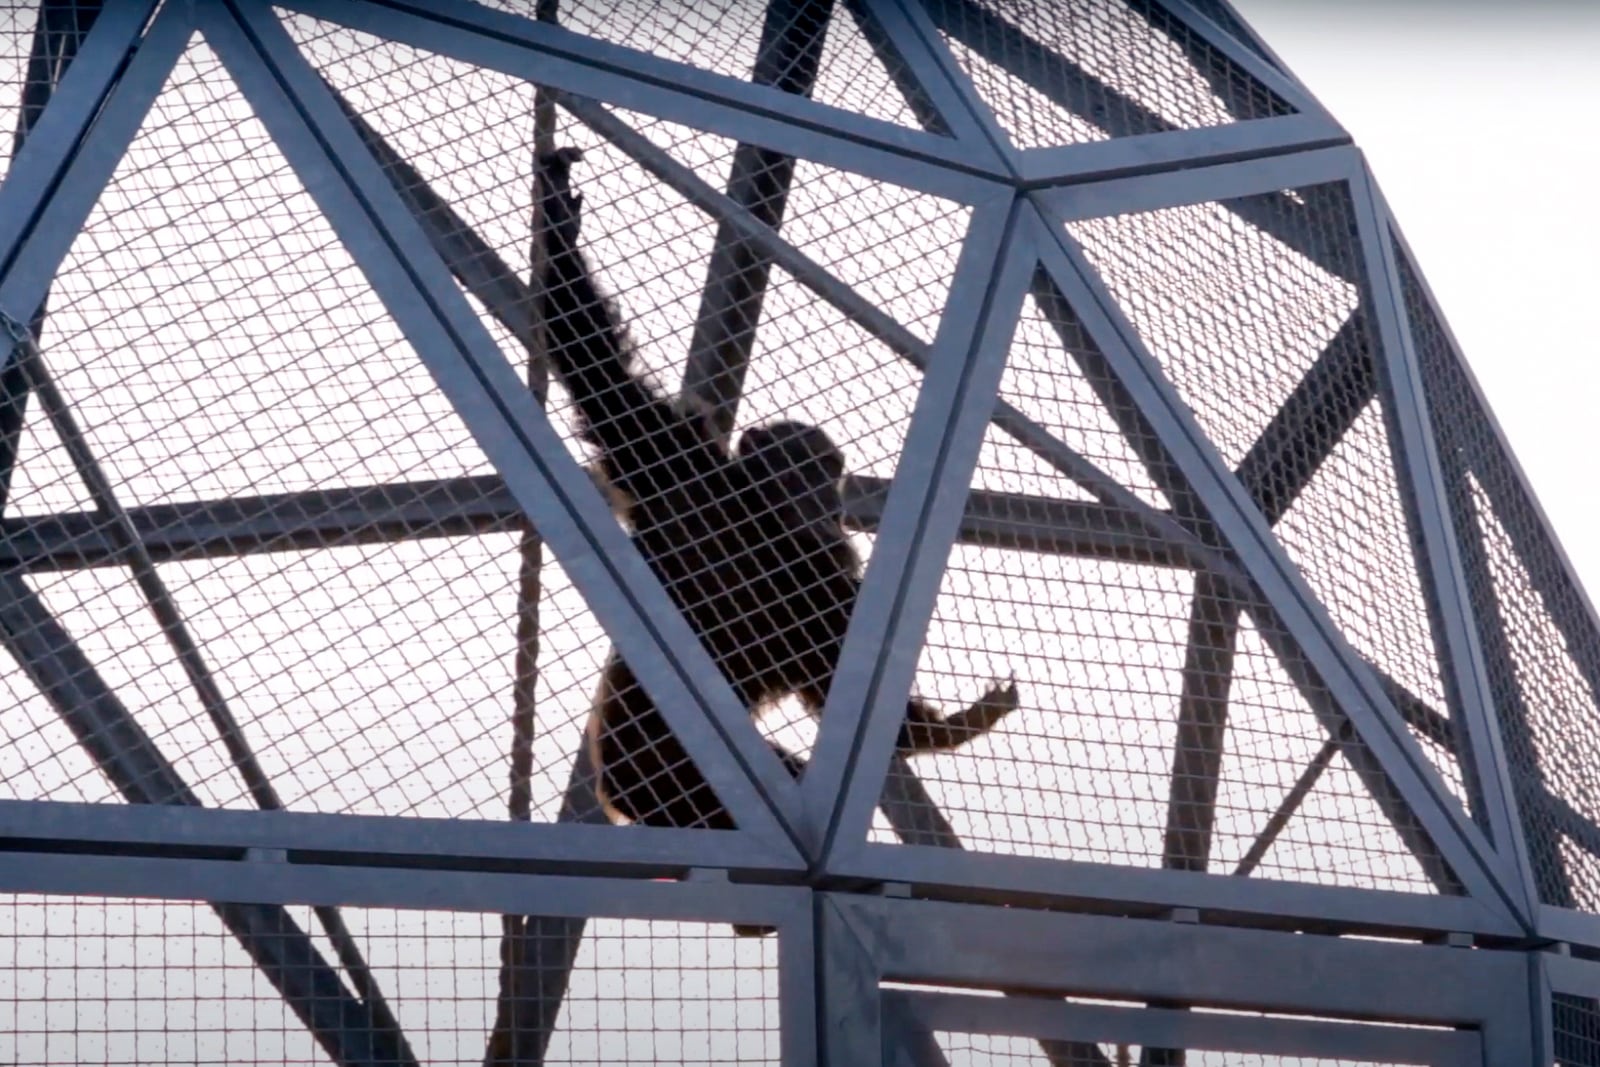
(1252, 143)
(238, 526)
(550, 56)
(1574, 927)
(140, 772)
(266, 882)
(1251, 183)
(381, 841)
(1573, 976)
(1193, 1031)
(959, 875)
(1197, 964)
(458, 507)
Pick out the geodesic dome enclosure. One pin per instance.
(305, 592)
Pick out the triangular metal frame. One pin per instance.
(411, 280)
(547, 55)
(815, 830)
(1390, 752)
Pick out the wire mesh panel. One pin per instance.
(1541, 647)
(92, 980)
(1058, 74)
(1576, 1030)
(857, 66)
(925, 1027)
(256, 554)
(1276, 302)
(1159, 724)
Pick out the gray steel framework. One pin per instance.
(1495, 966)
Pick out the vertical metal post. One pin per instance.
(849, 1006)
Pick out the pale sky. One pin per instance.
(1478, 119)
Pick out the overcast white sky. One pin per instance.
(1479, 119)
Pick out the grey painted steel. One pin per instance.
(961, 875)
(1220, 966)
(481, 504)
(359, 840)
(1206, 43)
(58, 176)
(1542, 1011)
(1041, 1017)
(907, 1043)
(1199, 740)
(1508, 477)
(132, 554)
(799, 988)
(1569, 925)
(933, 101)
(867, 700)
(141, 774)
(1155, 153)
(909, 21)
(268, 882)
(829, 977)
(60, 29)
(1394, 755)
(849, 1009)
(513, 431)
(1427, 507)
(43, 159)
(1256, 182)
(729, 107)
(993, 39)
(1287, 807)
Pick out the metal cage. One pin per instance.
(305, 588)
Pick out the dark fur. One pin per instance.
(750, 545)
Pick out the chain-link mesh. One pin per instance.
(35, 51)
(1160, 725)
(1065, 73)
(1575, 1028)
(91, 980)
(859, 71)
(896, 248)
(1253, 309)
(1541, 647)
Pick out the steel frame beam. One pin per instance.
(677, 92)
(1305, 620)
(1103, 1025)
(1250, 970)
(60, 30)
(1427, 504)
(835, 948)
(406, 273)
